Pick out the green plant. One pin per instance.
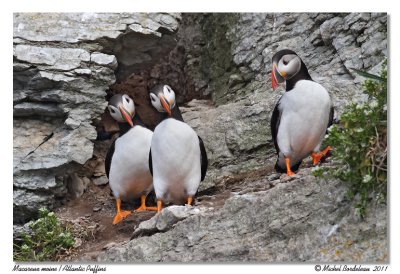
(48, 239)
(359, 144)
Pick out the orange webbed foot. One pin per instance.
(317, 156)
(120, 216)
(143, 206)
(289, 172)
(159, 205)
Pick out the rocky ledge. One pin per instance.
(303, 219)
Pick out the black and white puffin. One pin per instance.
(128, 157)
(178, 159)
(302, 114)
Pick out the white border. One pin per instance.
(8, 8)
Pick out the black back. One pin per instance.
(331, 114)
(150, 163)
(109, 155)
(203, 158)
(275, 121)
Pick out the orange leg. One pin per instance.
(159, 205)
(289, 172)
(120, 214)
(190, 200)
(317, 156)
(143, 206)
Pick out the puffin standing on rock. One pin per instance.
(178, 159)
(301, 116)
(127, 159)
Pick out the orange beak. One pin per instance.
(277, 76)
(126, 116)
(165, 105)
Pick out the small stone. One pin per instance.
(78, 242)
(109, 245)
(99, 169)
(274, 176)
(75, 186)
(284, 178)
(99, 181)
(97, 208)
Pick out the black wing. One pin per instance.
(109, 156)
(150, 163)
(331, 114)
(204, 160)
(275, 121)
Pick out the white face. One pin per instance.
(127, 104)
(289, 65)
(169, 96)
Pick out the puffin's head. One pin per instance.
(163, 98)
(285, 64)
(122, 108)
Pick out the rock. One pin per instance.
(76, 186)
(97, 208)
(62, 69)
(83, 71)
(26, 204)
(39, 109)
(291, 222)
(104, 60)
(19, 230)
(165, 220)
(100, 169)
(233, 145)
(55, 58)
(99, 181)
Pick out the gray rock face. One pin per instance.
(235, 65)
(232, 142)
(236, 61)
(304, 220)
(63, 65)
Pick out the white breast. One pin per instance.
(129, 172)
(175, 154)
(304, 119)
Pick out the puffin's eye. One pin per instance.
(152, 98)
(127, 99)
(112, 110)
(285, 62)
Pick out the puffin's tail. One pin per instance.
(280, 166)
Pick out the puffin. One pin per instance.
(301, 116)
(127, 159)
(178, 159)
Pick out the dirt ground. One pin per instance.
(90, 216)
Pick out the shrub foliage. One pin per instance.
(359, 143)
(48, 238)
